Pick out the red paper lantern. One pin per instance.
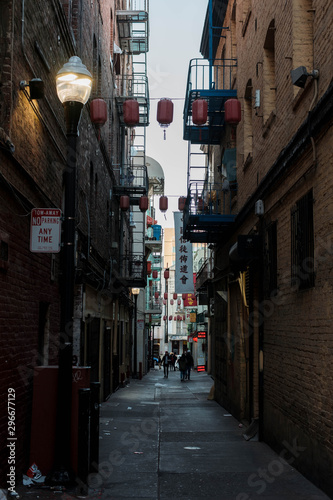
(166, 296)
(199, 111)
(164, 318)
(179, 302)
(170, 318)
(143, 203)
(150, 283)
(175, 296)
(163, 203)
(184, 296)
(131, 112)
(164, 112)
(164, 302)
(155, 274)
(181, 203)
(148, 266)
(98, 111)
(166, 274)
(124, 203)
(157, 295)
(175, 318)
(232, 111)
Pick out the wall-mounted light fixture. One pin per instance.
(300, 75)
(36, 86)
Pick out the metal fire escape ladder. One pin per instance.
(208, 209)
(133, 29)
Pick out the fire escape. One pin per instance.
(133, 32)
(211, 178)
(154, 248)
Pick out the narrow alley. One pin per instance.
(162, 439)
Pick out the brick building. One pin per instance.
(36, 39)
(264, 206)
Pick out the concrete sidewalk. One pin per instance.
(163, 439)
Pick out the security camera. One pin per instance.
(300, 74)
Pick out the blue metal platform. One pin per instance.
(212, 82)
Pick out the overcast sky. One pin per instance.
(175, 36)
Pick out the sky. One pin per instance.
(175, 36)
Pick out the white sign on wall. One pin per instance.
(45, 230)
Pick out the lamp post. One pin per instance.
(135, 292)
(73, 84)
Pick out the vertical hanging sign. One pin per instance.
(184, 260)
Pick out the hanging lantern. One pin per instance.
(150, 283)
(164, 302)
(131, 112)
(155, 274)
(184, 296)
(171, 302)
(181, 203)
(175, 296)
(183, 317)
(143, 203)
(124, 203)
(175, 318)
(98, 111)
(148, 266)
(199, 112)
(157, 295)
(179, 302)
(166, 274)
(164, 318)
(163, 203)
(170, 318)
(165, 296)
(164, 113)
(232, 111)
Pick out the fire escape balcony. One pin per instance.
(133, 86)
(133, 27)
(212, 82)
(208, 213)
(134, 271)
(133, 182)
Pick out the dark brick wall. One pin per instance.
(33, 177)
(297, 341)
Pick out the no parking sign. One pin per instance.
(45, 230)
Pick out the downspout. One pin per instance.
(210, 41)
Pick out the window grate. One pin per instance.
(302, 243)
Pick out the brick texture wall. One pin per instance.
(297, 341)
(34, 43)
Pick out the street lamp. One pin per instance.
(73, 84)
(135, 292)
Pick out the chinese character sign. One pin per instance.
(184, 261)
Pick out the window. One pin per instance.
(302, 243)
(270, 256)
(248, 133)
(269, 96)
(246, 14)
(302, 26)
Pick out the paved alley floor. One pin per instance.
(162, 439)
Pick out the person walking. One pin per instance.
(189, 364)
(182, 367)
(166, 363)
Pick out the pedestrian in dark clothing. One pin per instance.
(173, 361)
(189, 364)
(182, 367)
(166, 363)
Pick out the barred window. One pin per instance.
(302, 243)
